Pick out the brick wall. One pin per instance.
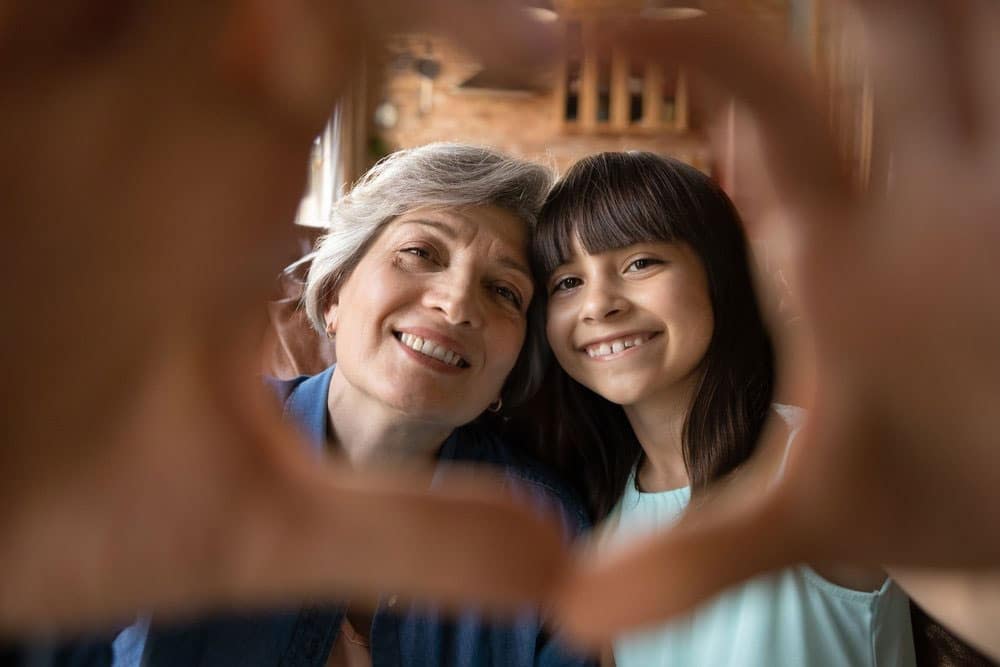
(521, 123)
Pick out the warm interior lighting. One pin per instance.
(672, 10)
(542, 14)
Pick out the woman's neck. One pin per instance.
(658, 423)
(369, 433)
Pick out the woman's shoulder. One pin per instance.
(283, 387)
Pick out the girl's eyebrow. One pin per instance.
(569, 261)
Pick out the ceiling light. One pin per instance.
(672, 10)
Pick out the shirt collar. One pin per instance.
(306, 407)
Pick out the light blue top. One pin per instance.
(792, 617)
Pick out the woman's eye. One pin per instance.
(642, 263)
(417, 251)
(566, 284)
(508, 294)
(418, 255)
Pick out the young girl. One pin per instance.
(666, 382)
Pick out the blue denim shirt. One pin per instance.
(413, 635)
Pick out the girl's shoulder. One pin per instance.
(792, 415)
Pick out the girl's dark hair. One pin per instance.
(612, 200)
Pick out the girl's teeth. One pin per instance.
(614, 347)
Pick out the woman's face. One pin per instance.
(432, 319)
(631, 324)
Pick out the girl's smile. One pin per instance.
(616, 346)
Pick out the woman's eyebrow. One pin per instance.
(505, 261)
(442, 227)
(515, 265)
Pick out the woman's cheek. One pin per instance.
(514, 341)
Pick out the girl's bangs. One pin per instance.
(604, 203)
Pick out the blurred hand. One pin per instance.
(145, 468)
(897, 463)
(154, 155)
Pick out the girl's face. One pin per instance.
(631, 324)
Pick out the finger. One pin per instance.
(202, 498)
(49, 33)
(499, 33)
(336, 532)
(774, 89)
(921, 55)
(6, 19)
(463, 543)
(669, 574)
(777, 280)
(984, 54)
(967, 602)
(672, 572)
(365, 534)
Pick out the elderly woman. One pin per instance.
(423, 285)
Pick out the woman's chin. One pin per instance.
(443, 411)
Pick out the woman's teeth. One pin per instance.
(431, 349)
(615, 346)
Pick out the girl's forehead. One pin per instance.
(578, 248)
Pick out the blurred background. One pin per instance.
(424, 89)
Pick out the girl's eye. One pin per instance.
(508, 294)
(642, 263)
(566, 284)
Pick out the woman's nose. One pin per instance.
(456, 298)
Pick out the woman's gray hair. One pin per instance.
(439, 175)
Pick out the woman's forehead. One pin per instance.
(496, 234)
(484, 222)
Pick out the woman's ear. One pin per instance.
(330, 317)
(293, 55)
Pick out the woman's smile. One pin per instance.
(432, 349)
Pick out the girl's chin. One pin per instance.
(619, 395)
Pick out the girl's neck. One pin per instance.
(367, 433)
(658, 423)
